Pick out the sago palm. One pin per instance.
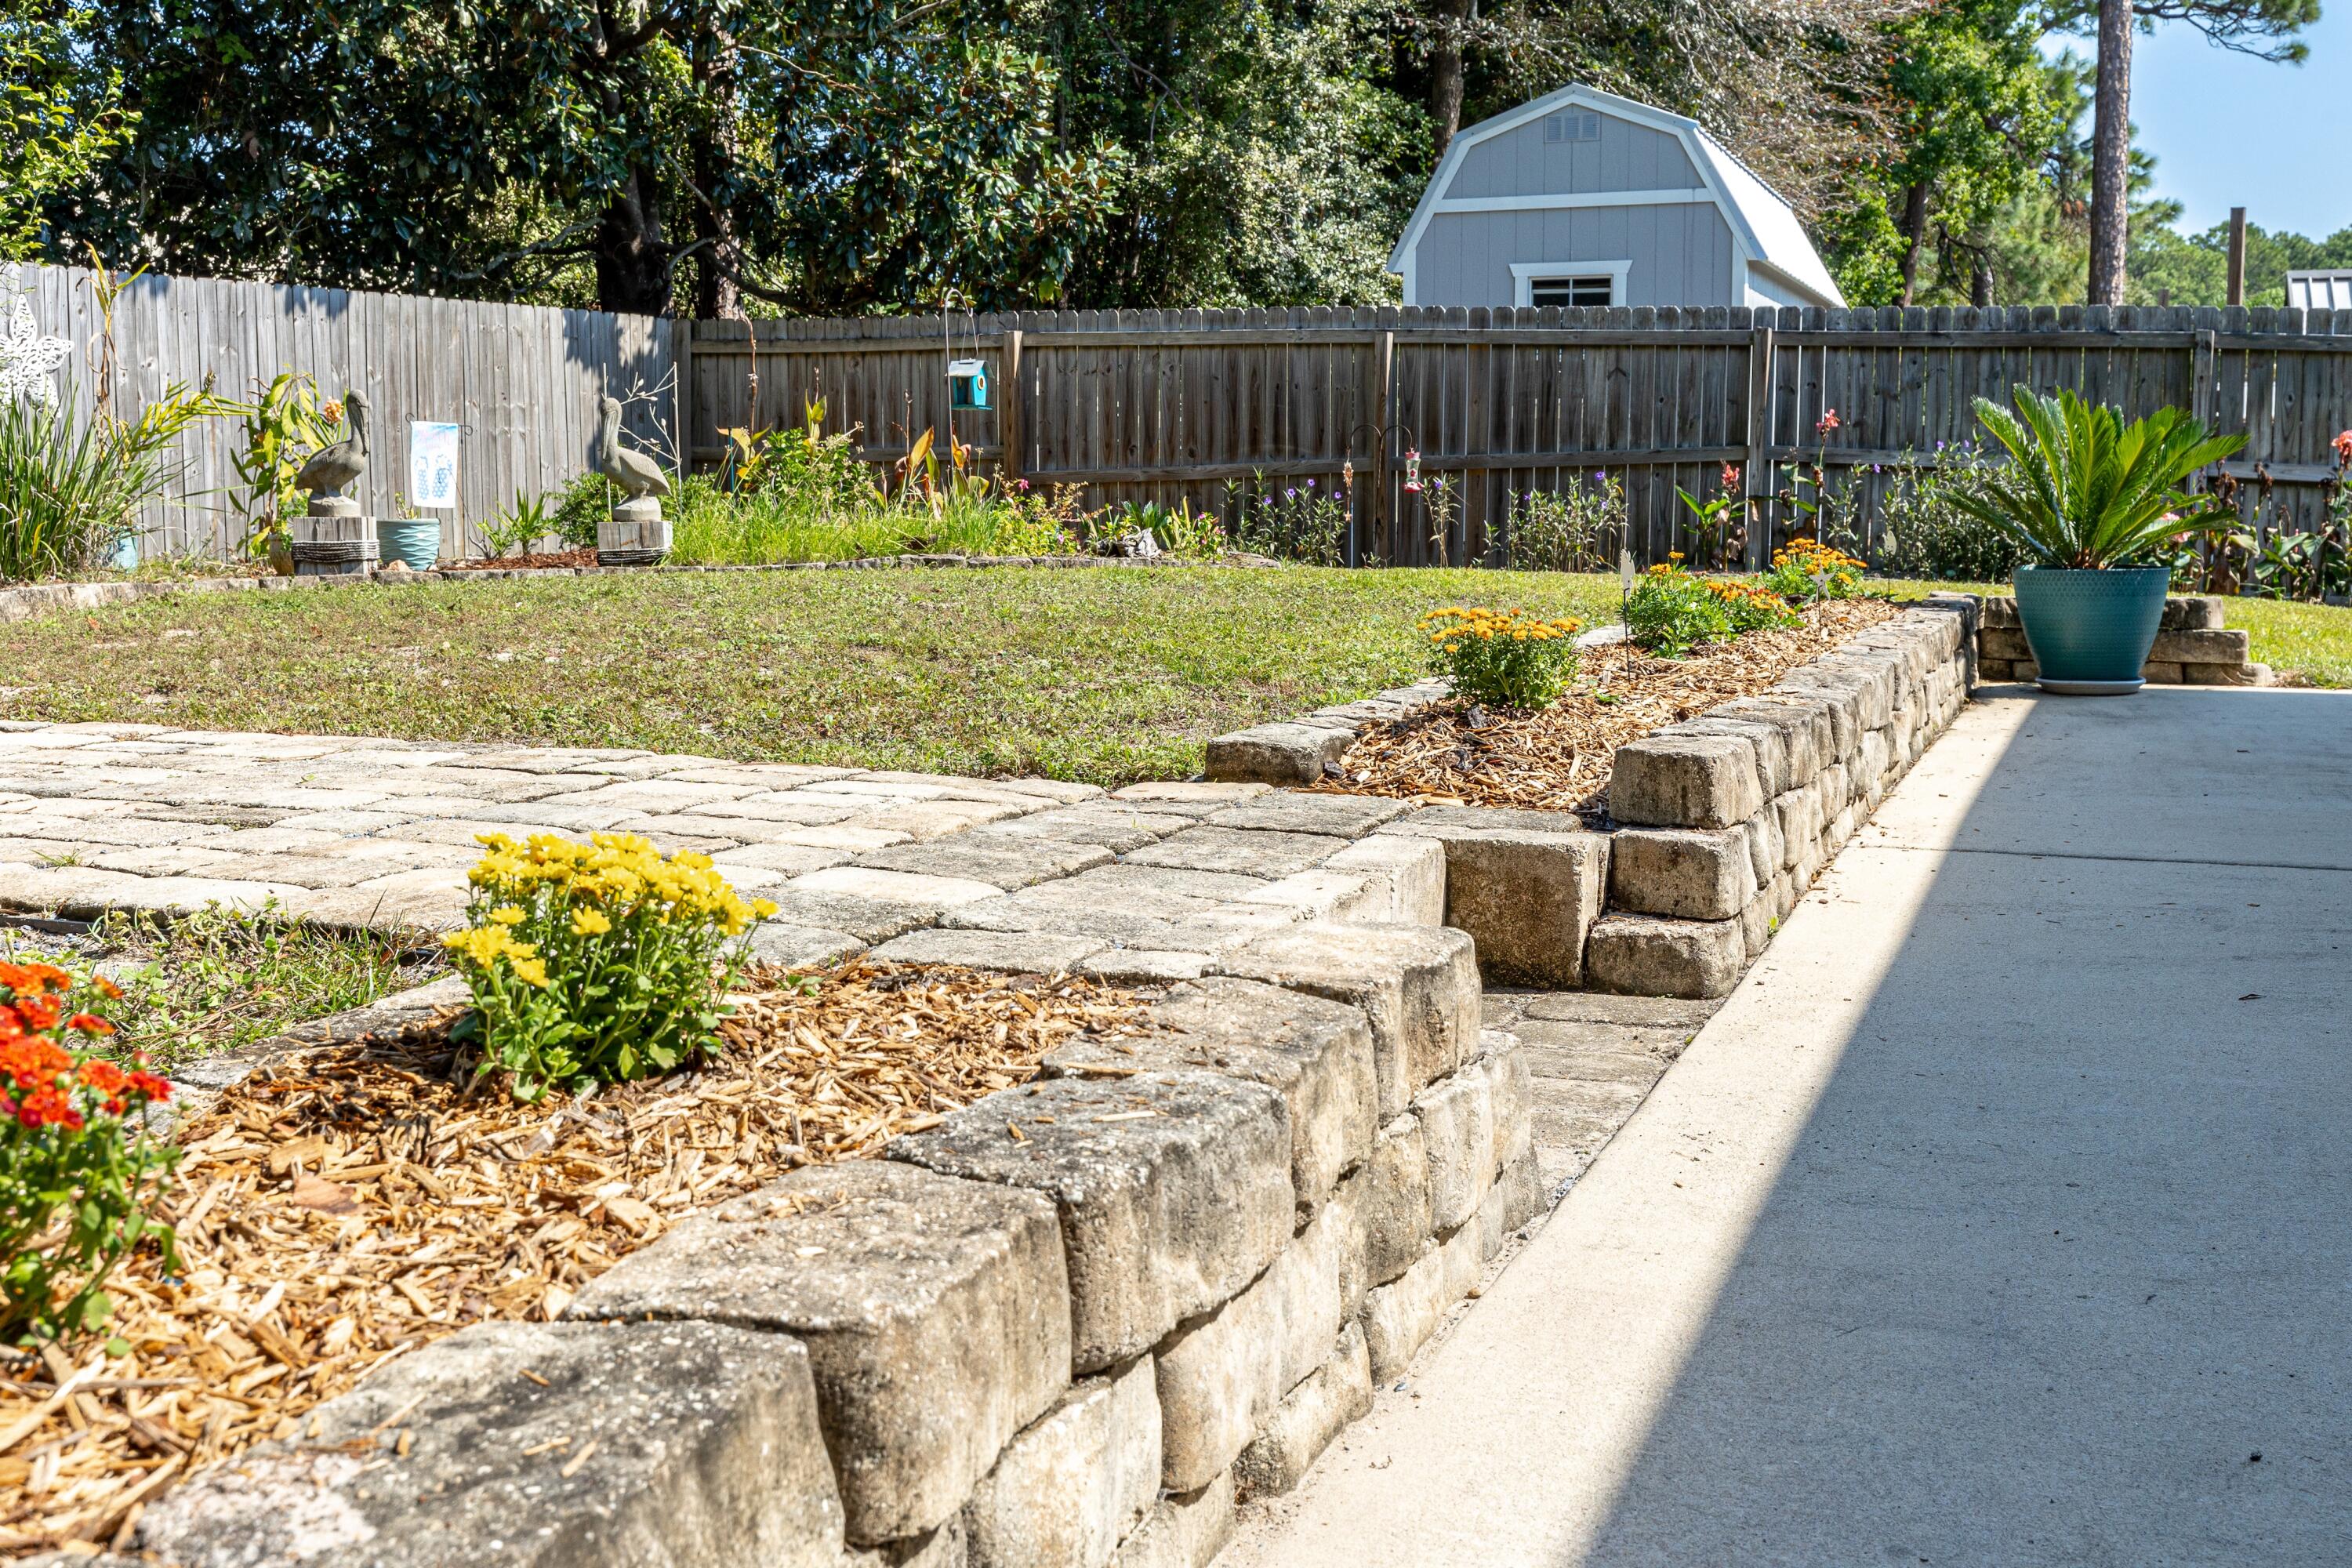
(2083, 489)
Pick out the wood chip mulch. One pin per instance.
(536, 561)
(350, 1203)
(1559, 758)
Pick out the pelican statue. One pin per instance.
(638, 474)
(333, 468)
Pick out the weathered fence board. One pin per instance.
(522, 380)
(1197, 405)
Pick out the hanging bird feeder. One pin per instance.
(968, 383)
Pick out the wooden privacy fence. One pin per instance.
(1199, 406)
(520, 380)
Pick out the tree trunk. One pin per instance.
(1980, 282)
(1914, 234)
(633, 264)
(2111, 154)
(716, 296)
(1453, 18)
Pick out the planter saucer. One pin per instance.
(2091, 687)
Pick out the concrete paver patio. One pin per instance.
(1998, 1218)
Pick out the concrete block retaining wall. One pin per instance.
(1721, 823)
(2192, 649)
(1070, 1326)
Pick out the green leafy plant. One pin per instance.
(2085, 491)
(283, 425)
(1924, 534)
(1177, 530)
(1670, 612)
(514, 529)
(581, 506)
(1508, 659)
(1718, 531)
(1564, 530)
(1301, 523)
(79, 1165)
(1748, 607)
(595, 962)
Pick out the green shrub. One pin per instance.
(595, 962)
(1926, 534)
(72, 488)
(579, 507)
(1566, 529)
(1299, 522)
(1508, 659)
(79, 1165)
(1670, 612)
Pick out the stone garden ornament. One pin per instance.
(636, 535)
(333, 469)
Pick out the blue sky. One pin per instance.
(2231, 131)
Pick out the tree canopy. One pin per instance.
(836, 156)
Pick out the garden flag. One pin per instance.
(432, 463)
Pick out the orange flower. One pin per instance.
(48, 1108)
(89, 1023)
(39, 1010)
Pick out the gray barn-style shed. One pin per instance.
(1586, 198)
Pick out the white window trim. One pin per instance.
(1525, 273)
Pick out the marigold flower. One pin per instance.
(40, 1011)
(48, 1108)
(89, 1023)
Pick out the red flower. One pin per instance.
(2343, 445)
(33, 1062)
(89, 1023)
(1828, 422)
(103, 1077)
(1730, 475)
(40, 1011)
(155, 1088)
(48, 1108)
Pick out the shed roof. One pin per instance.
(1764, 224)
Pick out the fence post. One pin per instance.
(1757, 479)
(681, 359)
(1008, 417)
(1382, 507)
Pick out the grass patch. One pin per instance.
(223, 980)
(1106, 674)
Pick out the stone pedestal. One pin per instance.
(335, 540)
(636, 534)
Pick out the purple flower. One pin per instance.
(1290, 495)
(1310, 484)
(1599, 476)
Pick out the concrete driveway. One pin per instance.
(2004, 1217)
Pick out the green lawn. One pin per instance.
(1105, 675)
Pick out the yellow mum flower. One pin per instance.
(507, 915)
(590, 922)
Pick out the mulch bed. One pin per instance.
(1559, 758)
(584, 556)
(350, 1203)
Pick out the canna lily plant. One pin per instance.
(2086, 491)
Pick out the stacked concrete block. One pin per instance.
(2192, 647)
(1525, 884)
(1066, 1327)
(1725, 819)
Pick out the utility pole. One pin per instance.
(2237, 256)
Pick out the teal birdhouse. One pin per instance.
(967, 384)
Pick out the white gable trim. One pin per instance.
(1747, 248)
(1694, 196)
(1525, 273)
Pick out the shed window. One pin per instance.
(1601, 288)
(1574, 126)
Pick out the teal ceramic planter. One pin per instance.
(414, 539)
(2090, 631)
